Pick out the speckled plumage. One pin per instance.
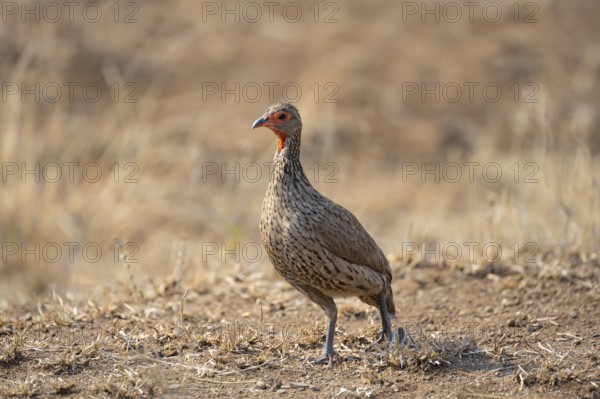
(317, 246)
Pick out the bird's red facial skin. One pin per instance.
(275, 120)
(281, 141)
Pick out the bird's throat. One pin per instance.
(280, 141)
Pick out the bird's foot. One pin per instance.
(380, 338)
(398, 337)
(327, 358)
(395, 336)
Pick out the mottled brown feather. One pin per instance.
(354, 245)
(317, 246)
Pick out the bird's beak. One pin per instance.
(259, 122)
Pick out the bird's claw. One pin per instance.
(327, 358)
(398, 337)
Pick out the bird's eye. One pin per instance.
(281, 117)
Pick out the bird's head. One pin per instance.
(284, 120)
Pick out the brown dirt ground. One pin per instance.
(498, 331)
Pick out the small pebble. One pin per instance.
(574, 314)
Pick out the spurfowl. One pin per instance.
(317, 246)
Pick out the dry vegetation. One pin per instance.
(179, 303)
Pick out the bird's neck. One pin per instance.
(286, 164)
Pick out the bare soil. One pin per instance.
(497, 331)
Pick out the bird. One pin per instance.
(319, 247)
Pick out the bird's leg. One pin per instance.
(386, 324)
(385, 320)
(328, 305)
(328, 352)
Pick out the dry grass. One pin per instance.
(171, 344)
(147, 318)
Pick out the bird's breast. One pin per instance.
(287, 217)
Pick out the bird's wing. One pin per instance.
(341, 232)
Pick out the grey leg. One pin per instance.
(385, 319)
(328, 352)
(328, 305)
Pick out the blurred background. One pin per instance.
(128, 160)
